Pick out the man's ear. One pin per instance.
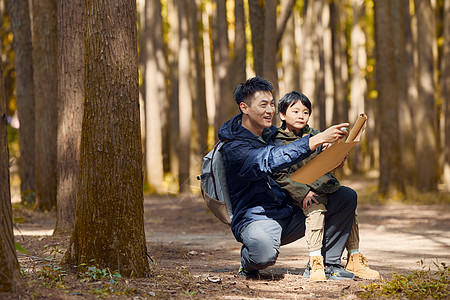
(243, 106)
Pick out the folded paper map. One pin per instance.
(332, 157)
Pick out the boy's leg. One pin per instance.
(261, 244)
(315, 221)
(353, 239)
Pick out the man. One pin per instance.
(263, 217)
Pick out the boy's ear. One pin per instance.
(282, 117)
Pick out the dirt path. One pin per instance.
(182, 234)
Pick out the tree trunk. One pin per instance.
(240, 43)
(21, 26)
(209, 78)
(445, 85)
(426, 113)
(340, 69)
(358, 83)
(70, 110)
(290, 59)
(407, 135)
(109, 223)
(270, 47)
(174, 111)
(9, 266)
(256, 12)
(287, 8)
(184, 99)
(45, 92)
(390, 183)
(155, 93)
(225, 107)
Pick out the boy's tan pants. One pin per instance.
(315, 222)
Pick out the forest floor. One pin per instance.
(196, 256)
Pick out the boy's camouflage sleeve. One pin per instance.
(296, 190)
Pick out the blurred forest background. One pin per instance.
(389, 59)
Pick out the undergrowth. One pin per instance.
(422, 284)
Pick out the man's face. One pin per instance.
(260, 111)
(296, 117)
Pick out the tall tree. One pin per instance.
(225, 108)
(21, 26)
(390, 181)
(426, 111)
(445, 85)
(270, 48)
(155, 93)
(70, 110)
(45, 90)
(184, 98)
(256, 18)
(9, 266)
(109, 224)
(240, 44)
(289, 57)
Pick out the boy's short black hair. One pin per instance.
(290, 99)
(244, 91)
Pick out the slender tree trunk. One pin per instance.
(184, 99)
(225, 107)
(270, 47)
(209, 78)
(390, 183)
(445, 85)
(9, 266)
(256, 12)
(70, 110)
(109, 224)
(287, 8)
(174, 110)
(426, 113)
(240, 43)
(155, 93)
(338, 40)
(290, 58)
(407, 132)
(21, 26)
(45, 92)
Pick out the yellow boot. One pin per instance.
(317, 272)
(359, 265)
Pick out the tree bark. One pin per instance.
(445, 85)
(109, 225)
(9, 266)
(70, 110)
(270, 46)
(155, 93)
(21, 26)
(426, 113)
(256, 16)
(240, 43)
(184, 99)
(390, 183)
(45, 91)
(291, 77)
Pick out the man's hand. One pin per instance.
(309, 199)
(330, 135)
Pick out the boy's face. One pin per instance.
(260, 112)
(296, 117)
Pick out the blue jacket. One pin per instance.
(249, 161)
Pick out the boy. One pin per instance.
(295, 109)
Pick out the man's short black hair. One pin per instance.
(244, 91)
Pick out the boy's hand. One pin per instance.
(309, 199)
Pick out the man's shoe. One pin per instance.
(332, 272)
(337, 272)
(317, 271)
(359, 265)
(248, 274)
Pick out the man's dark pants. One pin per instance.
(262, 239)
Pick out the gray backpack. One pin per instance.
(214, 185)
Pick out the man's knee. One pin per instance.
(349, 196)
(263, 258)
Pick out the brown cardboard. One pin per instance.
(332, 157)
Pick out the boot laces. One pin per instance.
(363, 260)
(316, 264)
